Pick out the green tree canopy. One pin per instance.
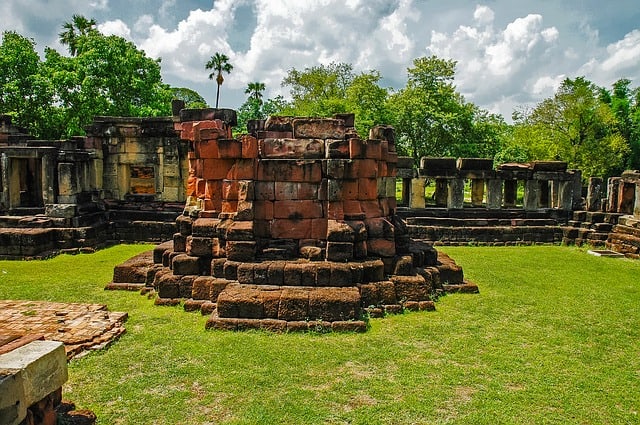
(432, 119)
(59, 96)
(576, 126)
(191, 98)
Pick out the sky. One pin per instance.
(509, 53)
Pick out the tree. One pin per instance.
(320, 90)
(191, 98)
(578, 127)
(219, 63)
(432, 119)
(255, 90)
(368, 101)
(624, 103)
(78, 27)
(24, 93)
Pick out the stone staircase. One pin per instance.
(481, 226)
(625, 237)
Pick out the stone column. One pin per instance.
(555, 194)
(494, 194)
(455, 199)
(4, 180)
(48, 180)
(577, 189)
(613, 186)
(531, 195)
(565, 195)
(477, 192)
(417, 193)
(594, 194)
(442, 192)
(636, 205)
(66, 184)
(510, 193)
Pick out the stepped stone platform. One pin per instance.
(80, 327)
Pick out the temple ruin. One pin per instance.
(293, 227)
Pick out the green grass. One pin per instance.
(553, 337)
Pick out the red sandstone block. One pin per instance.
(292, 148)
(216, 169)
(265, 134)
(249, 146)
(200, 188)
(191, 154)
(352, 208)
(296, 190)
(207, 149)
(371, 209)
(384, 150)
(335, 210)
(199, 246)
(318, 128)
(334, 304)
(352, 168)
(207, 124)
(240, 231)
(186, 132)
(177, 126)
(241, 251)
(192, 183)
(350, 190)
(337, 148)
(297, 209)
(262, 228)
(229, 206)
(230, 148)
(319, 229)
(356, 148)
(309, 171)
(392, 157)
(383, 169)
(294, 305)
(367, 189)
(246, 190)
(245, 211)
(293, 274)
(341, 252)
(264, 191)
(381, 247)
(203, 134)
(373, 150)
(263, 210)
(291, 229)
(230, 190)
(243, 169)
(368, 169)
(391, 169)
(380, 228)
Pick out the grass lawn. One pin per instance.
(553, 337)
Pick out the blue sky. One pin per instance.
(510, 53)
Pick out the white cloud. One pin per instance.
(116, 27)
(483, 15)
(623, 54)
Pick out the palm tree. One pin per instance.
(219, 62)
(78, 27)
(255, 90)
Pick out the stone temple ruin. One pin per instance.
(293, 227)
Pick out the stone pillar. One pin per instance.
(531, 195)
(577, 189)
(565, 195)
(626, 197)
(4, 181)
(406, 192)
(545, 195)
(417, 193)
(594, 194)
(48, 179)
(477, 192)
(442, 192)
(67, 189)
(510, 193)
(494, 194)
(555, 194)
(613, 186)
(636, 205)
(455, 199)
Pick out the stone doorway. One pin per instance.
(25, 183)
